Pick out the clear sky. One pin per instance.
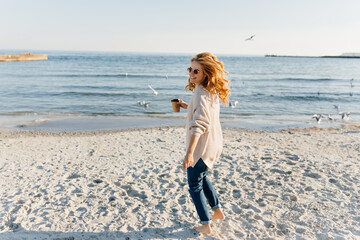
(290, 27)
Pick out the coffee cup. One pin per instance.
(175, 105)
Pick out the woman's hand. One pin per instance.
(188, 161)
(189, 158)
(183, 104)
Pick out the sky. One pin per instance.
(282, 27)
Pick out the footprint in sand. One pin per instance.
(228, 157)
(273, 183)
(261, 202)
(236, 193)
(274, 170)
(135, 193)
(267, 159)
(80, 212)
(163, 178)
(180, 182)
(20, 201)
(269, 224)
(261, 177)
(182, 200)
(283, 228)
(270, 196)
(300, 230)
(292, 156)
(313, 175)
(331, 180)
(97, 181)
(249, 206)
(236, 209)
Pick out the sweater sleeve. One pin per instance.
(201, 118)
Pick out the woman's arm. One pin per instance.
(189, 159)
(183, 104)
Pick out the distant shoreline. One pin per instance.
(291, 56)
(22, 57)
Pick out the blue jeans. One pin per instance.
(201, 190)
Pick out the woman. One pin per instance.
(203, 133)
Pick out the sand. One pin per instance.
(293, 184)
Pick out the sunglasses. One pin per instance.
(196, 71)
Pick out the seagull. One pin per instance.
(155, 92)
(250, 38)
(233, 104)
(345, 116)
(337, 107)
(126, 74)
(318, 117)
(143, 103)
(330, 118)
(166, 76)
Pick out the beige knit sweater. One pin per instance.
(203, 121)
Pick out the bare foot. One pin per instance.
(204, 229)
(218, 215)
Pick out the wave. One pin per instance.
(150, 113)
(308, 79)
(32, 113)
(24, 113)
(305, 98)
(110, 75)
(317, 98)
(101, 88)
(92, 94)
(286, 79)
(311, 97)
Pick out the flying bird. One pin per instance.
(337, 107)
(154, 91)
(233, 104)
(250, 38)
(318, 117)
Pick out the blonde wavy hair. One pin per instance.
(214, 80)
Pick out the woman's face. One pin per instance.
(196, 73)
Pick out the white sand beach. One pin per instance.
(293, 184)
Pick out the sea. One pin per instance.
(85, 91)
